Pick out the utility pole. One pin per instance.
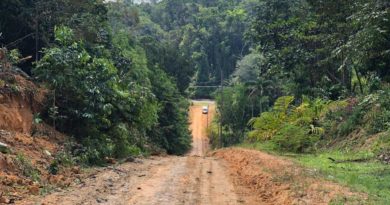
(208, 111)
(36, 32)
(220, 112)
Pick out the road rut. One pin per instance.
(192, 179)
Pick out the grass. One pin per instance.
(27, 168)
(201, 103)
(267, 146)
(368, 176)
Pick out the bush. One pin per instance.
(378, 119)
(380, 122)
(27, 168)
(268, 123)
(371, 113)
(293, 138)
(292, 128)
(352, 122)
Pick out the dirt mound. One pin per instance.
(279, 181)
(19, 100)
(25, 168)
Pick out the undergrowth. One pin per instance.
(27, 169)
(344, 141)
(358, 170)
(368, 176)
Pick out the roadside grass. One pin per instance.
(366, 176)
(201, 103)
(369, 176)
(267, 147)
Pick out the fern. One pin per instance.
(316, 130)
(282, 105)
(283, 114)
(265, 126)
(269, 123)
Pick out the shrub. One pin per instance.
(372, 114)
(292, 128)
(352, 122)
(268, 124)
(380, 122)
(292, 138)
(27, 168)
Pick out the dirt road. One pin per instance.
(192, 179)
(226, 177)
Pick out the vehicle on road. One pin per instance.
(205, 109)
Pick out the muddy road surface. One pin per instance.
(225, 177)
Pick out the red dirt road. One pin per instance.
(225, 177)
(199, 123)
(192, 179)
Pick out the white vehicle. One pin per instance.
(205, 109)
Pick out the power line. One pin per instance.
(206, 86)
(210, 86)
(14, 43)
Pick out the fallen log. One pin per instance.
(348, 160)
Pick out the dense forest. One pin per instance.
(288, 76)
(120, 72)
(313, 55)
(113, 85)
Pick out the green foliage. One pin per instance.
(265, 127)
(213, 134)
(171, 132)
(27, 168)
(291, 128)
(235, 109)
(369, 113)
(64, 158)
(322, 49)
(118, 71)
(86, 18)
(368, 176)
(268, 124)
(96, 150)
(123, 146)
(292, 138)
(53, 168)
(207, 36)
(64, 35)
(298, 128)
(117, 105)
(14, 56)
(228, 136)
(37, 118)
(248, 68)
